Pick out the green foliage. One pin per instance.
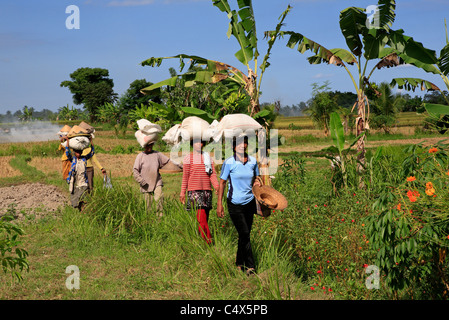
(321, 106)
(134, 97)
(91, 87)
(410, 232)
(13, 259)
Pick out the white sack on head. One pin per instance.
(209, 133)
(147, 127)
(144, 139)
(172, 136)
(233, 125)
(79, 143)
(193, 128)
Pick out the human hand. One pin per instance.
(182, 198)
(220, 210)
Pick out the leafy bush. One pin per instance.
(410, 231)
(12, 258)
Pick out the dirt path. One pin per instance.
(369, 144)
(31, 199)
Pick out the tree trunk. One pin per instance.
(360, 128)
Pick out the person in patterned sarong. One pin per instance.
(197, 179)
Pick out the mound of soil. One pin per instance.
(31, 199)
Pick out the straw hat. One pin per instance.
(270, 197)
(77, 131)
(170, 167)
(87, 127)
(66, 128)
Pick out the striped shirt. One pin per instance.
(194, 175)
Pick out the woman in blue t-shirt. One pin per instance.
(240, 170)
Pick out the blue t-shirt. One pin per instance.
(240, 177)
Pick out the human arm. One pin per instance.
(221, 188)
(185, 179)
(213, 178)
(68, 154)
(137, 171)
(98, 164)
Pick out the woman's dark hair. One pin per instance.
(235, 139)
(203, 143)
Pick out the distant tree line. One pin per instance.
(347, 99)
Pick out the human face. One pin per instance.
(240, 147)
(197, 146)
(149, 147)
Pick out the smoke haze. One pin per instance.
(29, 132)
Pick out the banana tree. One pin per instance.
(243, 27)
(367, 42)
(437, 112)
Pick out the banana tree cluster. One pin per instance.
(242, 27)
(368, 40)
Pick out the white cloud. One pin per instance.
(129, 3)
(323, 75)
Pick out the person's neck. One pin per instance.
(241, 156)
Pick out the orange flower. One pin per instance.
(398, 207)
(413, 195)
(447, 172)
(411, 178)
(430, 189)
(433, 150)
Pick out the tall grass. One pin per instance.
(174, 238)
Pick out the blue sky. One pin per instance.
(38, 52)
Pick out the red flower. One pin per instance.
(433, 150)
(413, 195)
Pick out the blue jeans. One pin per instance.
(242, 217)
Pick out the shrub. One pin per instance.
(12, 258)
(410, 231)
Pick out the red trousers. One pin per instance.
(202, 215)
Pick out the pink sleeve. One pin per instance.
(185, 174)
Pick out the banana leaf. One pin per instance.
(244, 30)
(443, 60)
(337, 131)
(213, 72)
(333, 56)
(413, 83)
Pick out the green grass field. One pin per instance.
(315, 249)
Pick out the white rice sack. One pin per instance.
(172, 136)
(233, 125)
(144, 139)
(147, 127)
(209, 132)
(193, 128)
(79, 143)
